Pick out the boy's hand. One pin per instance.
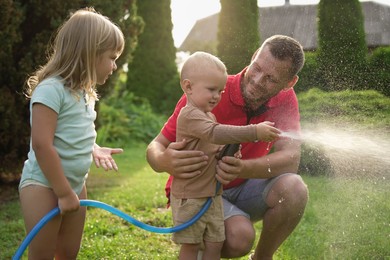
(266, 132)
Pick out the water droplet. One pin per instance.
(269, 166)
(281, 200)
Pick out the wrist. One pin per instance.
(63, 192)
(95, 146)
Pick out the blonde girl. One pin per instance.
(62, 144)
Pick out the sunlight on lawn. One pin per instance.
(345, 218)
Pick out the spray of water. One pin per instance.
(352, 152)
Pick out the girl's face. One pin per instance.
(205, 91)
(105, 66)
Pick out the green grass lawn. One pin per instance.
(345, 218)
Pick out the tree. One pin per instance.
(238, 34)
(124, 14)
(13, 130)
(153, 72)
(342, 47)
(379, 64)
(26, 28)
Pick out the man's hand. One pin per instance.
(183, 163)
(228, 169)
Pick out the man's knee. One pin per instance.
(294, 188)
(299, 188)
(240, 236)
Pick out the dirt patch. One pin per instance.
(8, 192)
(9, 183)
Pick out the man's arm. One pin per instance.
(166, 156)
(285, 159)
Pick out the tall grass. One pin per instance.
(345, 219)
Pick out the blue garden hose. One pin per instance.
(98, 204)
(228, 150)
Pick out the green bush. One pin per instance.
(309, 77)
(236, 46)
(341, 44)
(314, 161)
(374, 74)
(153, 73)
(379, 67)
(127, 120)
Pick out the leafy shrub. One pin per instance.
(309, 77)
(126, 120)
(342, 47)
(314, 161)
(379, 66)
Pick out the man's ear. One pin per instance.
(292, 82)
(186, 86)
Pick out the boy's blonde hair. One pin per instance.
(78, 44)
(198, 62)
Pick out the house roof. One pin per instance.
(299, 22)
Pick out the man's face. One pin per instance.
(265, 77)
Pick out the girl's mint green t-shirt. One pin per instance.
(74, 137)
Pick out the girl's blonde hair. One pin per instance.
(77, 45)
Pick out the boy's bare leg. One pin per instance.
(189, 251)
(212, 250)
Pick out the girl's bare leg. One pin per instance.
(61, 236)
(71, 232)
(36, 202)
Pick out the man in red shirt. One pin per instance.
(261, 185)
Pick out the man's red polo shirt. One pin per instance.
(281, 109)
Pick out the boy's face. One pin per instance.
(204, 90)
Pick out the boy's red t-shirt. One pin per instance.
(281, 109)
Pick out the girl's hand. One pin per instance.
(68, 203)
(103, 157)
